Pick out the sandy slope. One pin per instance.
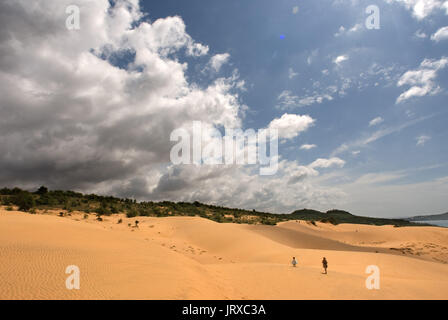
(193, 258)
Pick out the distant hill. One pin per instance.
(340, 216)
(432, 217)
(68, 201)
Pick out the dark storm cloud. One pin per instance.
(72, 119)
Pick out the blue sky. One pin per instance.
(252, 34)
(364, 111)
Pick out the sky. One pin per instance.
(361, 112)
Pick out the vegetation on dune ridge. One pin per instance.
(44, 199)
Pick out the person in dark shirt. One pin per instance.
(325, 265)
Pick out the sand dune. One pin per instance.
(428, 243)
(194, 258)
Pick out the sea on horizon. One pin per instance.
(440, 223)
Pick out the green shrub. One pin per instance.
(113, 209)
(269, 222)
(217, 217)
(42, 190)
(6, 201)
(68, 205)
(329, 220)
(158, 212)
(104, 209)
(132, 213)
(144, 212)
(45, 200)
(24, 200)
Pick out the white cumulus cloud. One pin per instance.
(218, 60)
(307, 146)
(422, 79)
(73, 118)
(441, 34)
(291, 125)
(422, 8)
(339, 59)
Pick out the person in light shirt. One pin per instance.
(294, 262)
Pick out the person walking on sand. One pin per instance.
(325, 265)
(294, 262)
